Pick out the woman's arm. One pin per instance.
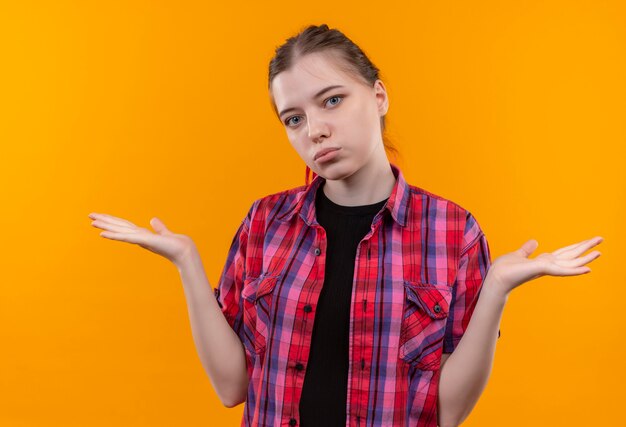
(464, 374)
(219, 347)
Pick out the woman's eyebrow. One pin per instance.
(317, 95)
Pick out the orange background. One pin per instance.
(514, 110)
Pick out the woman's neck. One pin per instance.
(370, 184)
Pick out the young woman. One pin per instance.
(356, 299)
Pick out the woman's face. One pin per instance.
(346, 118)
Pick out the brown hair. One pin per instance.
(351, 59)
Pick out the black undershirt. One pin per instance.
(324, 393)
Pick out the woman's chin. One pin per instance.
(335, 172)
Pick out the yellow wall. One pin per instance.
(515, 110)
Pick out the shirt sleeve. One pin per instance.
(474, 262)
(230, 284)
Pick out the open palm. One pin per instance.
(514, 268)
(163, 242)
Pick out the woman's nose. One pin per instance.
(317, 127)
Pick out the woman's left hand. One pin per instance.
(511, 270)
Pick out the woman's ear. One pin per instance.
(380, 92)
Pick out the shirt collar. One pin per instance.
(397, 204)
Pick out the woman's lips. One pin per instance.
(326, 155)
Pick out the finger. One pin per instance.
(158, 226)
(594, 241)
(528, 248)
(578, 261)
(567, 248)
(137, 238)
(112, 219)
(120, 224)
(577, 250)
(104, 225)
(556, 270)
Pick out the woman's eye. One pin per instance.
(338, 97)
(289, 121)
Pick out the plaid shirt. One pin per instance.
(418, 274)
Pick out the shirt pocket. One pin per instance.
(258, 298)
(425, 313)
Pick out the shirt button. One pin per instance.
(317, 251)
(293, 422)
(307, 308)
(437, 308)
(299, 366)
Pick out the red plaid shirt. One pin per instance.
(418, 274)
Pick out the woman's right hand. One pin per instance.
(170, 245)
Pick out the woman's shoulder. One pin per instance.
(283, 196)
(442, 210)
(419, 193)
(277, 204)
